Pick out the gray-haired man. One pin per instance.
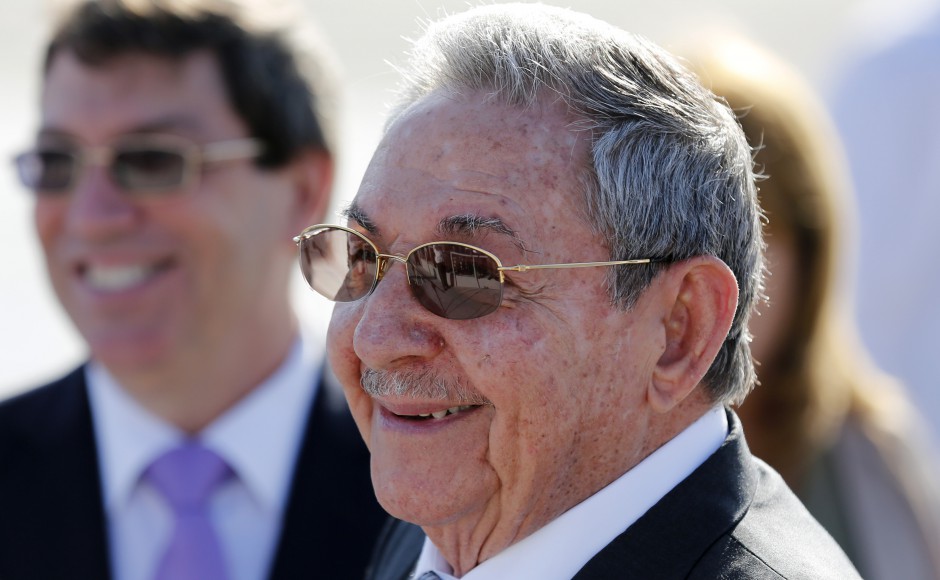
(554, 404)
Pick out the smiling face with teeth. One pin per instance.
(181, 292)
(483, 430)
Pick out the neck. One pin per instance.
(507, 519)
(201, 384)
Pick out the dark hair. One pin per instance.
(284, 94)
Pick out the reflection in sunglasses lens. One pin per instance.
(339, 265)
(361, 264)
(53, 170)
(455, 282)
(149, 169)
(450, 280)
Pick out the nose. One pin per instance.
(97, 208)
(391, 327)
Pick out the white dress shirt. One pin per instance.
(259, 438)
(567, 543)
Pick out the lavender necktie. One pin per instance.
(186, 477)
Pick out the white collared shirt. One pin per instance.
(567, 543)
(259, 438)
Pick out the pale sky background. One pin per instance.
(37, 342)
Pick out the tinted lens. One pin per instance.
(339, 265)
(46, 170)
(150, 168)
(454, 281)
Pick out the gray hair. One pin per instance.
(671, 173)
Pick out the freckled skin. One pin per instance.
(566, 419)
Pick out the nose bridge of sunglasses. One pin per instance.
(100, 156)
(385, 261)
(89, 160)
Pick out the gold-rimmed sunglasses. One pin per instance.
(138, 164)
(453, 280)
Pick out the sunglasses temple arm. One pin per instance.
(231, 150)
(523, 268)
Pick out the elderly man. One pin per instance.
(554, 406)
(181, 144)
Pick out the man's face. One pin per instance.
(559, 366)
(158, 280)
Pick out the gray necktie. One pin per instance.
(429, 576)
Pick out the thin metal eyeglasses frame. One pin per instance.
(194, 155)
(382, 260)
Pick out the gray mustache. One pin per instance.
(422, 384)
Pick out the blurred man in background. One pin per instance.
(181, 144)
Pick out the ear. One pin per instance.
(311, 174)
(699, 296)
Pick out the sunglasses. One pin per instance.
(137, 164)
(450, 279)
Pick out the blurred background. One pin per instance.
(37, 341)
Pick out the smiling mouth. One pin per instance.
(117, 278)
(438, 414)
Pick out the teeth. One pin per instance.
(444, 413)
(116, 278)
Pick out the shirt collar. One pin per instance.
(259, 437)
(568, 542)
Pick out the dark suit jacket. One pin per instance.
(733, 517)
(52, 523)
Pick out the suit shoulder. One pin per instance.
(27, 415)
(776, 538)
(50, 491)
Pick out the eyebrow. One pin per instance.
(468, 224)
(471, 225)
(169, 123)
(358, 215)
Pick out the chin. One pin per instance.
(432, 493)
(422, 509)
(131, 355)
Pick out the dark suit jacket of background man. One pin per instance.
(732, 518)
(52, 520)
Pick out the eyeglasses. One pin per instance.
(137, 164)
(452, 280)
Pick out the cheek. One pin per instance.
(231, 239)
(530, 375)
(245, 204)
(346, 366)
(48, 216)
(339, 338)
(49, 221)
(550, 379)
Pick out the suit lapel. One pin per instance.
(668, 540)
(397, 550)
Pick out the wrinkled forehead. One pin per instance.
(469, 154)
